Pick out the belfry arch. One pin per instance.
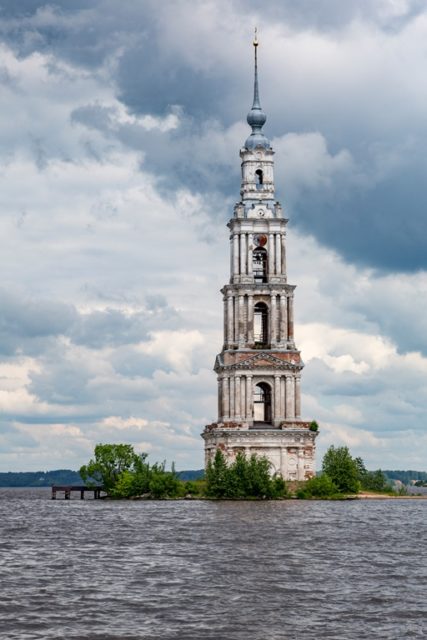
(261, 324)
(262, 403)
(259, 264)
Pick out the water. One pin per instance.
(188, 570)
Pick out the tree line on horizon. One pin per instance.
(69, 477)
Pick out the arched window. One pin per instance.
(259, 264)
(262, 403)
(259, 179)
(261, 324)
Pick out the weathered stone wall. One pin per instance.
(291, 450)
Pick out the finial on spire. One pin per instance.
(256, 116)
(256, 37)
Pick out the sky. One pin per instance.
(120, 129)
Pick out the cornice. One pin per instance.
(250, 363)
(266, 288)
(238, 435)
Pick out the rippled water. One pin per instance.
(217, 570)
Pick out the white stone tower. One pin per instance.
(259, 367)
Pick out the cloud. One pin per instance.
(29, 325)
(342, 86)
(120, 130)
(15, 441)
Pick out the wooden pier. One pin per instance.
(70, 488)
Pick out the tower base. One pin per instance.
(289, 448)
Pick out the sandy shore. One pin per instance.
(381, 496)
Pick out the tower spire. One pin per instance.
(256, 117)
(256, 104)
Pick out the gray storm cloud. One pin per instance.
(351, 72)
(120, 127)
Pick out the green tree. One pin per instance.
(371, 480)
(141, 475)
(259, 481)
(375, 481)
(361, 469)
(110, 461)
(125, 474)
(217, 477)
(342, 469)
(135, 481)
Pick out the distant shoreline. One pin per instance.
(361, 497)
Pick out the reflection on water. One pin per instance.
(218, 570)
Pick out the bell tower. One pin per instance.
(259, 367)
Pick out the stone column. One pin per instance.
(278, 255)
(250, 253)
(242, 398)
(250, 319)
(300, 465)
(298, 397)
(270, 255)
(291, 318)
(236, 319)
(225, 398)
(243, 253)
(231, 257)
(237, 400)
(249, 397)
(230, 322)
(232, 398)
(235, 254)
(283, 458)
(289, 398)
(276, 397)
(225, 322)
(241, 321)
(273, 320)
(283, 252)
(283, 320)
(282, 397)
(219, 399)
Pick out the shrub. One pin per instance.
(125, 486)
(193, 488)
(164, 484)
(244, 478)
(313, 426)
(280, 489)
(318, 487)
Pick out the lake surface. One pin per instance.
(188, 570)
